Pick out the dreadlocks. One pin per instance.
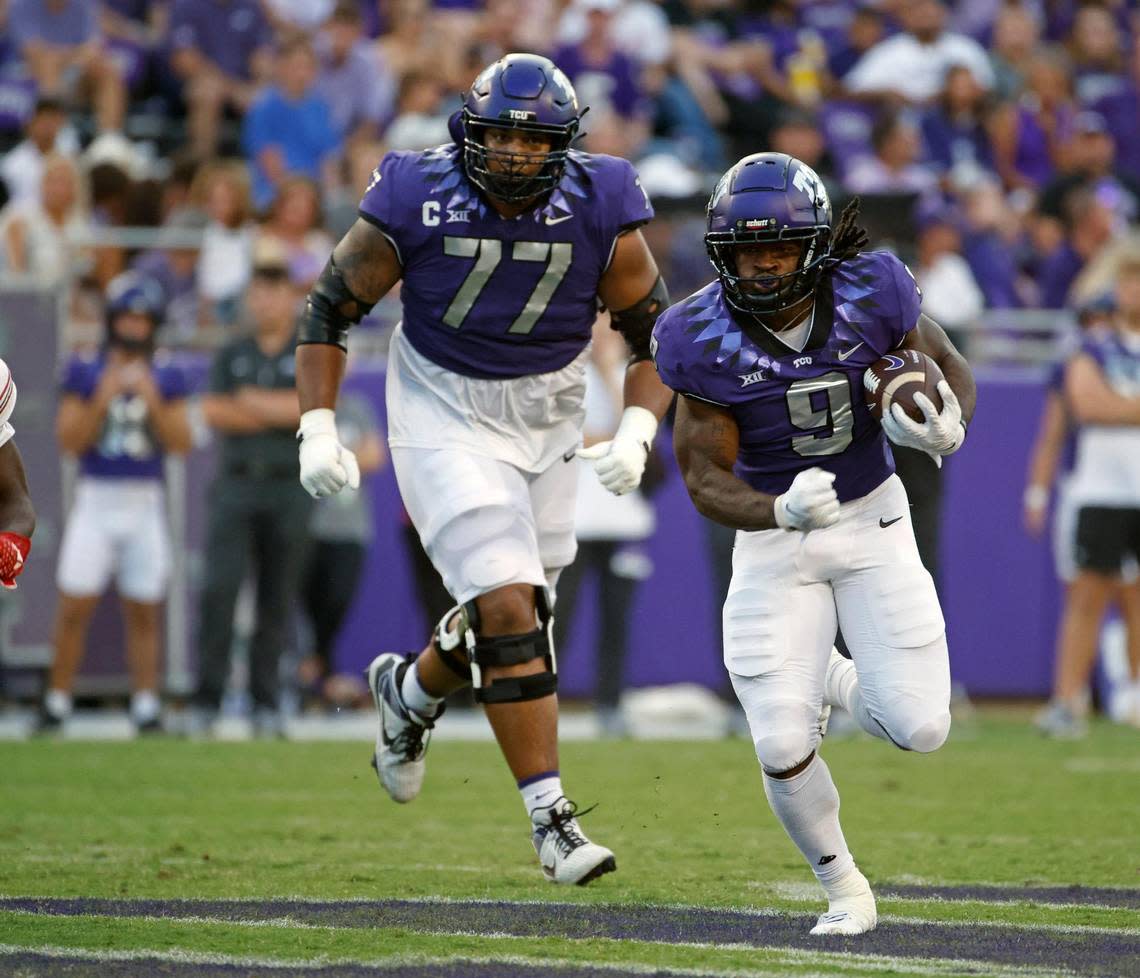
(849, 239)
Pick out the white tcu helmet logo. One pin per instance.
(808, 180)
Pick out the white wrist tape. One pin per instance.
(638, 424)
(318, 421)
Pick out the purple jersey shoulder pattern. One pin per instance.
(494, 298)
(126, 447)
(1118, 359)
(797, 408)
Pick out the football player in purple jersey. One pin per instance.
(504, 242)
(774, 439)
(121, 413)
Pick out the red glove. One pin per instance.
(13, 552)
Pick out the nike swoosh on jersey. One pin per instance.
(846, 353)
(885, 523)
(551, 221)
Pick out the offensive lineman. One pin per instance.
(773, 438)
(504, 243)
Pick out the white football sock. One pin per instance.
(58, 703)
(807, 805)
(415, 697)
(540, 792)
(145, 706)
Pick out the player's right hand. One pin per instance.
(326, 465)
(810, 502)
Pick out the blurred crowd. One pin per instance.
(996, 142)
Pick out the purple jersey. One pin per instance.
(1118, 356)
(126, 448)
(797, 409)
(494, 298)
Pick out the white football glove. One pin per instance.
(620, 462)
(940, 434)
(810, 502)
(326, 465)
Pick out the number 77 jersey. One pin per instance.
(491, 297)
(796, 408)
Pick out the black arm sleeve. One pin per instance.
(325, 319)
(636, 323)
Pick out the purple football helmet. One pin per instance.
(131, 292)
(768, 197)
(526, 92)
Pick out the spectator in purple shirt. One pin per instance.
(954, 131)
(894, 168)
(220, 50)
(135, 34)
(1030, 137)
(990, 244)
(174, 266)
(119, 413)
(1121, 109)
(1091, 162)
(60, 44)
(606, 79)
(352, 79)
(289, 129)
(1091, 228)
(1097, 47)
(866, 29)
(1016, 35)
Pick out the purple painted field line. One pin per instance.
(1083, 895)
(32, 965)
(1093, 953)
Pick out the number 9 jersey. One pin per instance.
(492, 297)
(796, 408)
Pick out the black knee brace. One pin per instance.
(511, 650)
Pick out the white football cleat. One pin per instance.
(402, 737)
(851, 912)
(566, 855)
(1061, 720)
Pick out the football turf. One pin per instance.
(1000, 854)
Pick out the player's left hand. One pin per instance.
(620, 462)
(940, 433)
(13, 552)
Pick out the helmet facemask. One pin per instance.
(781, 291)
(501, 174)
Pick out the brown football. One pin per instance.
(896, 377)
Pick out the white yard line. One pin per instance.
(846, 962)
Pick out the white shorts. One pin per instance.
(116, 529)
(486, 523)
(789, 590)
(529, 422)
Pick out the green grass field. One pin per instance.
(147, 825)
